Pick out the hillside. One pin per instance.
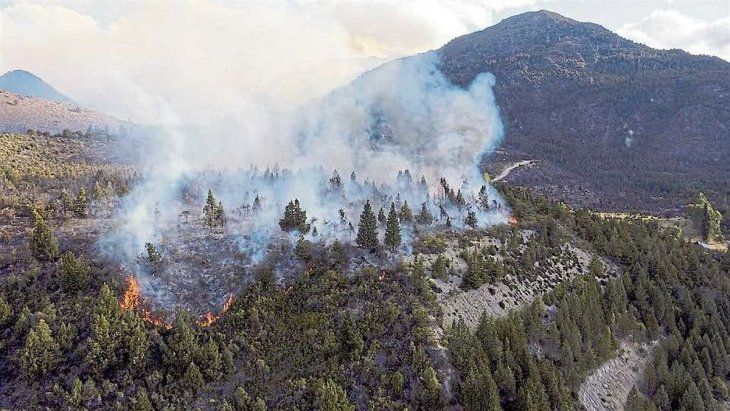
(614, 124)
(19, 113)
(28, 84)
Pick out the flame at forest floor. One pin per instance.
(132, 300)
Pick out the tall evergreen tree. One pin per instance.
(381, 216)
(81, 203)
(294, 218)
(41, 351)
(367, 228)
(43, 244)
(406, 215)
(471, 219)
(392, 229)
(213, 211)
(424, 217)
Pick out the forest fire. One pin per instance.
(209, 318)
(132, 299)
(513, 221)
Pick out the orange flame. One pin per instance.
(512, 220)
(132, 299)
(209, 318)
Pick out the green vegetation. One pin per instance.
(213, 211)
(43, 244)
(707, 219)
(294, 218)
(392, 229)
(668, 291)
(367, 228)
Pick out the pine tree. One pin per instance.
(329, 396)
(367, 228)
(215, 216)
(424, 217)
(392, 229)
(351, 342)
(459, 201)
(43, 244)
(406, 215)
(471, 219)
(81, 203)
(381, 216)
(74, 273)
(440, 268)
(692, 399)
(294, 218)
(40, 352)
(706, 218)
(98, 192)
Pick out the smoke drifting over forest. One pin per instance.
(390, 136)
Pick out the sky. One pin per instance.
(171, 61)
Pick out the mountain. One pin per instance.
(28, 84)
(20, 113)
(613, 124)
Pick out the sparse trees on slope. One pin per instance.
(367, 228)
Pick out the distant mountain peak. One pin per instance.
(28, 84)
(540, 16)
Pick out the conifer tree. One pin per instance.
(459, 201)
(329, 396)
(367, 228)
(81, 203)
(440, 268)
(74, 273)
(294, 218)
(424, 217)
(406, 215)
(471, 219)
(381, 216)
(43, 244)
(215, 216)
(707, 219)
(392, 229)
(40, 352)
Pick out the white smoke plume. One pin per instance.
(402, 116)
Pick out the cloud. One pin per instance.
(666, 29)
(166, 61)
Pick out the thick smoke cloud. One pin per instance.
(402, 116)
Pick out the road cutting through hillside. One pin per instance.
(509, 169)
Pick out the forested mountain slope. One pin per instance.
(614, 124)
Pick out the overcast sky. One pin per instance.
(149, 61)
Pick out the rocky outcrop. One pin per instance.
(609, 385)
